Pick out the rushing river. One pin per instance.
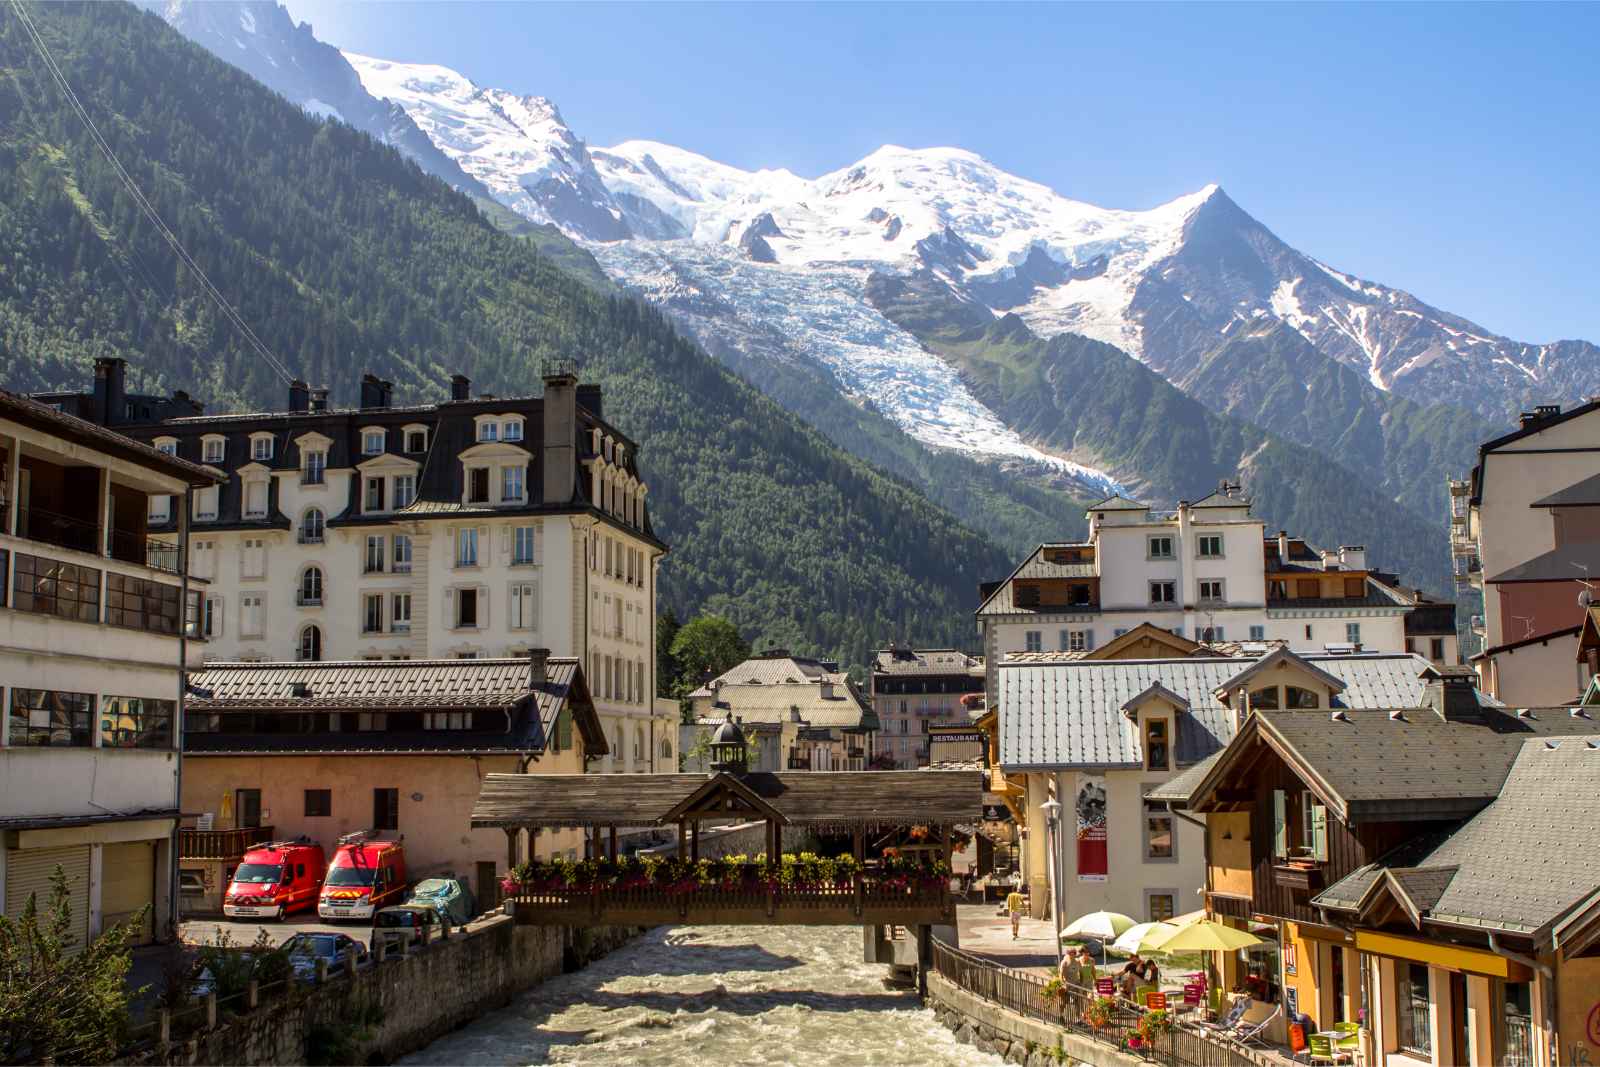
(718, 995)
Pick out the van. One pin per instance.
(363, 876)
(275, 879)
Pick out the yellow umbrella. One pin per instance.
(1205, 935)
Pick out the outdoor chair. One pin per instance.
(1297, 1040)
(1351, 1041)
(1230, 1021)
(1155, 1001)
(1142, 993)
(1322, 1050)
(1105, 987)
(1193, 996)
(1248, 1034)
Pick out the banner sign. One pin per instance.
(1092, 866)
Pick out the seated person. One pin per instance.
(1151, 974)
(1128, 983)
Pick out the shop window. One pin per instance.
(1411, 1008)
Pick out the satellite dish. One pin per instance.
(1585, 598)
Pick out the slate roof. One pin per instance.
(803, 798)
(1371, 765)
(91, 435)
(1577, 495)
(923, 661)
(1118, 502)
(1002, 602)
(1521, 863)
(1180, 787)
(1569, 563)
(776, 703)
(1068, 714)
(392, 686)
(1376, 595)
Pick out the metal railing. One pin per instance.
(1024, 993)
(220, 844)
(83, 535)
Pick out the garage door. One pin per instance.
(127, 883)
(28, 872)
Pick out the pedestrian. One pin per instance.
(1014, 904)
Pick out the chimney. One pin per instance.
(1452, 694)
(460, 387)
(375, 391)
(110, 390)
(1283, 546)
(299, 396)
(319, 400)
(560, 431)
(589, 399)
(1330, 559)
(1353, 557)
(538, 667)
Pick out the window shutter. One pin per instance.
(564, 730)
(1280, 824)
(513, 606)
(1088, 640)
(531, 604)
(483, 607)
(1319, 832)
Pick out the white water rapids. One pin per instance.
(719, 995)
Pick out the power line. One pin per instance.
(142, 201)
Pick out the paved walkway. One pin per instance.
(985, 931)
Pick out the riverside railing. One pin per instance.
(1124, 1029)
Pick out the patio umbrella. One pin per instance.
(1133, 939)
(1206, 935)
(1101, 925)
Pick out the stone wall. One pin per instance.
(391, 1008)
(1018, 1039)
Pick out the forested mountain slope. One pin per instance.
(344, 257)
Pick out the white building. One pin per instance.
(474, 527)
(90, 654)
(800, 714)
(914, 690)
(1207, 571)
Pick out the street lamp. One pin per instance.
(1052, 819)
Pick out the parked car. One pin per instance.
(450, 897)
(363, 877)
(275, 879)
(402, 924)
(305, 949)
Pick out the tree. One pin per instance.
(57, 1004)
(667, 627)
(704, 647)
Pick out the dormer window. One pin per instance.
(1265, 698)
(416, 439)
(373, 498)
(316, 464)
(1296, 697)
(373, 442)
(255, 499)
(405, 490)
(261, 446)
(513, 430)
(477, 485)
(511, 485)
(488, 431)
(213, 448)
(1156, 750)
(167, 446)
(205, 504)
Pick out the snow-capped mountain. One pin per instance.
(259, 37)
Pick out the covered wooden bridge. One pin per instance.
(905, 887)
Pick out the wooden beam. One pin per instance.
(682, 832)
(613, 842)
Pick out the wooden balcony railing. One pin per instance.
(220, 844)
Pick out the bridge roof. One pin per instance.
(844, 799)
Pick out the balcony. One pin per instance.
(799, 763)
(1303, 876)
(220, 844)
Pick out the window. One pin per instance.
(1436, 648)
(52, 588)
(447, 720)
(1307, 588)
(372, 613)
(1160, 547)
(372, 721)
(312, 526)
(160, 509)
(214, 449)
(524, 546)
(44, 717)
(400, 615)
(513, 431)
(1308, 631)
(1209, 546)
(141, 604)
(374, 496)
(1163, 592)
(1159, 830)
(511, 483)
(610, 554)
(205, 504)
(466, 609)
(1295, 697)
(1412, 1008)
(211, 621)
(1265, 698)
(1078, 640)
(261, 448)
(319, 803)
(1211, 590)
(167, 446)
(402, 554)
(1355, 587)
(488, 431)
(1159, 906)
(467, 547)
(1033, 640)
(1277, 589)
(253, 558)
(377, 552)
(405, 489)
(386, 809)
(372, 442)
(316, 464)
(252, 620)
(1208, 634)
(310, 650)
(1155, 745)
(524, 606)
(255, 499)
(1258, 633)
(311, 587)
(478, 485)
(1352, 632)
(416, 440)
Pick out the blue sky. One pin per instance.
(1453, 151)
